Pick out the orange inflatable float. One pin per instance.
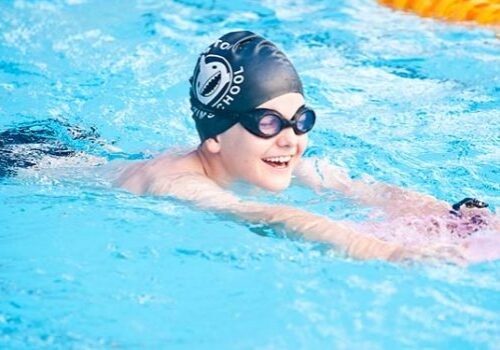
(480, 11)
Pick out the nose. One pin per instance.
(287, 138)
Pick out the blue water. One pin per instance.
(410, 101)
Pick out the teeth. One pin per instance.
(282, 159)
(210, 83)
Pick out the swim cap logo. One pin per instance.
(213, 80)
(216, 83)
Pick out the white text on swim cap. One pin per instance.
(199, 114)
(234, 90)
(223, 45)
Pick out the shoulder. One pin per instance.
(154, 176)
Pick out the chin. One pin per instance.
(276, 185)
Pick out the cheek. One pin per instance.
(302, 144)
(242, 152)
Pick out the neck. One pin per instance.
(212, 167)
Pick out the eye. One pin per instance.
(269, 124)
(305, 121)
(214, 67)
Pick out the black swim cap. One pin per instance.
(238, 72)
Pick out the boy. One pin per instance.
(249, 109)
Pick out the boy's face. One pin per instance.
(266, 163)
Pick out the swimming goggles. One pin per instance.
(267, 123)
(263, 122)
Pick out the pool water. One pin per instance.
(410, 101)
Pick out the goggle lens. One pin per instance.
(270, 125)
(305, 122)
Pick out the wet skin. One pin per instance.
(238, 155)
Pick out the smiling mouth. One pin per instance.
(278, 162)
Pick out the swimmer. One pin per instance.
(253, 121)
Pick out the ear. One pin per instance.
(212, 145)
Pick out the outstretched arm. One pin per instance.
(394, 200)
(204, 193)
